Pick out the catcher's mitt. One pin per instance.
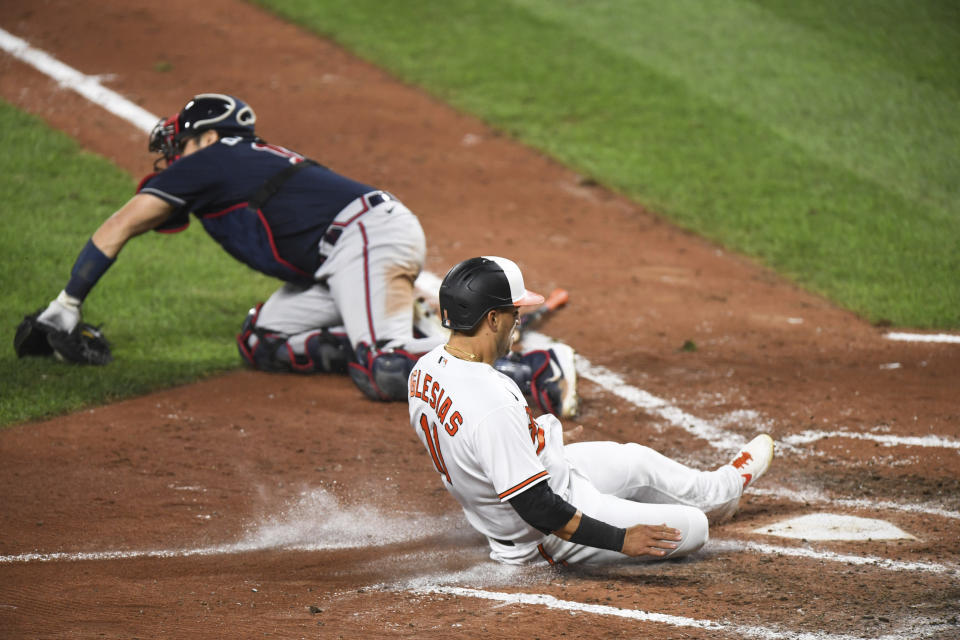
(86, 344)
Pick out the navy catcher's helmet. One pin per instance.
(225, 114)
(476, 286)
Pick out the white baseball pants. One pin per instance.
(628, 484)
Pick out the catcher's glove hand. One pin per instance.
(86, 344)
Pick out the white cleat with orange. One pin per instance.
(754, 459)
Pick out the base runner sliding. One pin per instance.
(535, 498)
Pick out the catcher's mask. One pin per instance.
(226, 114)
(477, 286)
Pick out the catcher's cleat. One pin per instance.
(563, 377)
(546, 376)
(754, 459)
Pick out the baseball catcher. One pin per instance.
(535, 498)
(346, 252)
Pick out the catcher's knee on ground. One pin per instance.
(319, 351)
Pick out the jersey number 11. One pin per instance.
(433, 443)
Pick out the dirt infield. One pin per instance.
(258, 505)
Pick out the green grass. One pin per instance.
(168, 325)
(820, 137)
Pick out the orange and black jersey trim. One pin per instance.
(526, 483)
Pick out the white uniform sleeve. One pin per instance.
(507, 452)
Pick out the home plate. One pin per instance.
(832, 526)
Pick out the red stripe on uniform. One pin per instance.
(273, 246)
(546, 556)
(366, 284)
(366, 208)
(266, 227)
(217, 214)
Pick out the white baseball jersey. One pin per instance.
(484, 441)
(487, 448)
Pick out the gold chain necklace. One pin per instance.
(467, 355)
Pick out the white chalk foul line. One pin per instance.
(216, 550)
(717, 437)
(749, 631)
(273, 544)
(934, 441)
(923, 337)
(87, 86)
(830, 556)
(312, 521)
(125, 555)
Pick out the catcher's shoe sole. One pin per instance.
(754, 459)
(426, 321)
(564, 357)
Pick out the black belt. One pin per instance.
(335, 230)
(378, 198)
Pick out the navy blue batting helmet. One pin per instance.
(477, 286)
(225, 114)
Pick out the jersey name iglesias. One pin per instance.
(484, 442)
